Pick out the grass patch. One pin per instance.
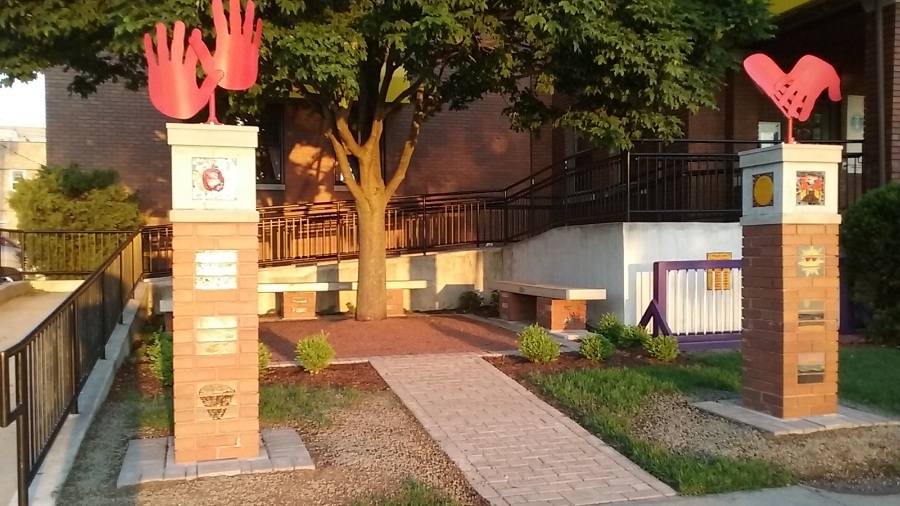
(413, 493)
(605, 401)
(869, 375)
(283, 404)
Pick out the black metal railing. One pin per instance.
(42, 375)
(57, 254)
(683, 180)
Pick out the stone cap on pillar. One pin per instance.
(213, 166)
(790, 183)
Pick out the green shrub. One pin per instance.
(315, 353)
(537, 346)
(74, 200)
(616, 332)
(662, 348)
(158, 356)
(636, 335)
(596, 347)
(265, 358)
(870, 241)
(469, 300)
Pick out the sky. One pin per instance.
(23, 104)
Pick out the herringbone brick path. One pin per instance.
(513, 447)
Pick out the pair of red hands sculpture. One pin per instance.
(172, 70)
(794, 92)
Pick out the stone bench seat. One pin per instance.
(334, 286)
(554, 307)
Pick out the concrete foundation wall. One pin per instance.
(616, 256)
(448, 274)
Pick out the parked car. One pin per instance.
(10, 260)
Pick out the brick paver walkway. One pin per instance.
(513, 447)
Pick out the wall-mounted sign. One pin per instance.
(718, 279)
(215, 270)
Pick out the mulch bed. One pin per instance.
(519, 368)
(409, 335)
(360, 376)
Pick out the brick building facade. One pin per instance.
(476, 150)
(116, 128)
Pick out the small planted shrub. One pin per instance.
(469, 301)
(635, 335)
(615, 331)
(265, 358)
(315, 353)
(596, 347)
(662, 348)
(158, 356)
(537, 346)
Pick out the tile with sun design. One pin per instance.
(810, 188)
(810, 261)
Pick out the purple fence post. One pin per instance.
(660, 275)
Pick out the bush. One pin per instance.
(620, 335)
(77, 200)
(537, 346)
(315, 353)
(636, 335)
(265, 358)
(469, 300)
(662, 348)
(158, 356)
(870, 241)
(596, 347)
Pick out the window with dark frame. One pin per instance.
(270, 153)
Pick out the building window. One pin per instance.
(17, 175)
(270, 153)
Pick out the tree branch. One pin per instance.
(344, 164)
(341, 121)
(408, 147)
(408, 92)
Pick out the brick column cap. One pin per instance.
(792, 219)
(204, 134)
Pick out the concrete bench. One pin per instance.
(553, 307)
(298, 299)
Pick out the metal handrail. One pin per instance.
(52, 363)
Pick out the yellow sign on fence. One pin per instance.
(718, 279)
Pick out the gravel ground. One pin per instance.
(369, 448)
(850, 460)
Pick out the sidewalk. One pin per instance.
(787, 496)
(18, 317)
(513, 447)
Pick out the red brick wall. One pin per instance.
(473, 149)
(891, 59)
(113, 129)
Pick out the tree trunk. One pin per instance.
(371, 299)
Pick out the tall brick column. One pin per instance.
(214, 291)
(790, 279)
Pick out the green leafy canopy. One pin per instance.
(625, 67)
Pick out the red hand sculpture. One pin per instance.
(172, 77)
(237, 45)
(794, 93)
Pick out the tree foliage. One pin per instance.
(74, 200)
(624, 68)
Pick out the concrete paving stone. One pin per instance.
(154, 473)
(542, 496)
(128, 478)
(218, 468)
(282, 464)
(174, 472)
(191, 472)
(261, 466)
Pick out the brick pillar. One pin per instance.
(559, 314)
(790, 280)
(517, 307)
(214, 292)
